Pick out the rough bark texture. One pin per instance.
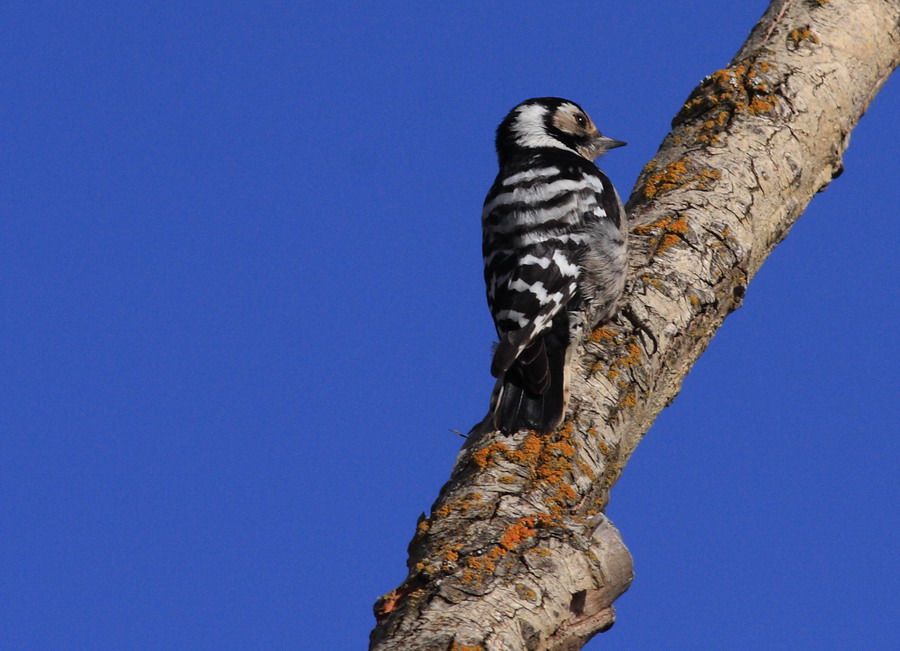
(517, 553)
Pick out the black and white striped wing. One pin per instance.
(529, 290)
(533, 241)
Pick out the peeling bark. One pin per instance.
(517, 553)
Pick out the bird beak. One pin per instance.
(598, 146)
(602, 143)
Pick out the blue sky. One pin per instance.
(241, 308)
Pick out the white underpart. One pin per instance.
(530, 130)
(566, 268)
(529, 175)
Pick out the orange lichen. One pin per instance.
(485, 456)
(634, 356)
(668, 240)
(758, 105)
(707, 176)
(728, 92)
(679, 225)
(648, 229)
(389, 602)
(512, 540)
(462, 505)
(612, 474)
(568, 492)
(517, 533)
(548, 461)
(456, 646)
(389, 605)
(528, 452)
(585, 469)
(803, 34)
(669, 231)
(422, 528)
(672, 176)
(525, 592)
(602, 333)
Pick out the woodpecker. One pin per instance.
(554, 246)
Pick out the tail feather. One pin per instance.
(507, 401)
(533, 393)
(514, 409)
(531, 370)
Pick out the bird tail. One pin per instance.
(534, 392)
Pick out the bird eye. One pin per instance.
(581, 120)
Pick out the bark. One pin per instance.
(517, 553)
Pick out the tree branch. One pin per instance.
(517, 553)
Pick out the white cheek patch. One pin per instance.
(530, 129)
